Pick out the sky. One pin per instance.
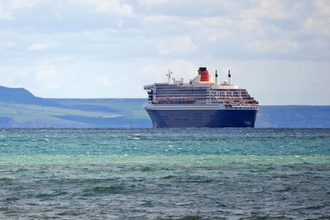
(279, 50)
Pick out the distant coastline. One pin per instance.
(21, 109)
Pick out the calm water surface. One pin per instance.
(165, 174)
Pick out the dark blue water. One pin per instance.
(165, 173)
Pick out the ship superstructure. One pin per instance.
(201, 102)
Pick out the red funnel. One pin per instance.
(205, 76)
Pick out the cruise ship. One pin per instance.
(201, 102)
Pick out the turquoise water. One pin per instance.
(165, 173)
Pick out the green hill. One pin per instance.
(293, 116)
(21, 109)
(75, 113)
(22, 96)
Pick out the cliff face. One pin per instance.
(21, 109)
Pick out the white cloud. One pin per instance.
(34, 47)
(323, 7)
(15, 79)
(9, 7)
(175, 45)
(9, 44)
(152, 2)
(48, 78)
(112, 7)
(138, 41)
(317, 22)
(104, 81)
(266, 9)
(4, 13)
(318, 26)
(158, 19)
(17, 4)
(282, 46)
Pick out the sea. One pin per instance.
(184, 174)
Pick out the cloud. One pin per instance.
(323, 7)
(112, 7)
(4, 13)
(152, 2)
(47, 78)
(175, 45)
(282, 46)
(35, 47)
(9, 44)
(316, 26)
(9, 7)
(104, 81)
(18, 4)
(107, 44)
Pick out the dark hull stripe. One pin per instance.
(202, 118)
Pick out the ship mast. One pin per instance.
(229, 78)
